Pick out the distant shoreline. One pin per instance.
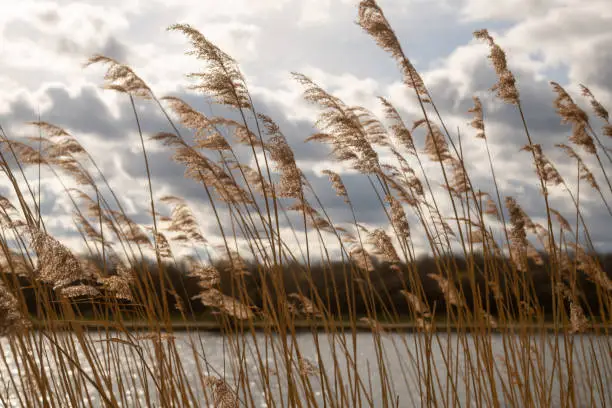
(301, 326)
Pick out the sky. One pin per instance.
(45, 43)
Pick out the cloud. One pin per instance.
(566, 41)
(511, 10)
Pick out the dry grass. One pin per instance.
(512, 345)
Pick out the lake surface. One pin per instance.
(214, 353)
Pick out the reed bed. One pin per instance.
(311, 311)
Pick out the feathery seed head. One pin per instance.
(222, 394)
(398, 218)
(506, 85)
(222, 78)
(545, 168)
(583, 171)
(451, 295)
(373, 21)
(383, 245)
(418, 306)
(56, 264)
(80, 291)
(518, 233)
(571, 113)
(307, 367)
(478, 122)
(118, 285)
(362, 259)
(337, 184)
(306, 306)
(11, 318)
(398, 126)
(121, 78)
(578, 321)
(598, 108)
(208, 276)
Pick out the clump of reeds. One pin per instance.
(263, 276)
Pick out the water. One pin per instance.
(217, 356)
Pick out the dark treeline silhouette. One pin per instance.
(334, 284)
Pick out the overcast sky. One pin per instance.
(45, 43)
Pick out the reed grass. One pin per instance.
(504, 311)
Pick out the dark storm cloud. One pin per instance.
(85, 112)
(115, 49)
(598, 73)
(536, 98)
